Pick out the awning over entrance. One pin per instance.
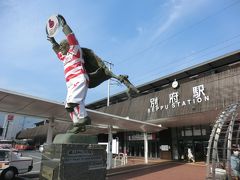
(17, 103)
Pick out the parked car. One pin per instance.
(12, 163)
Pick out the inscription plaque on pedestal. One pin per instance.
(73, 162)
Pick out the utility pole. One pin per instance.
(109, 150)
(110, 65)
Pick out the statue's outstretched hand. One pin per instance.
(51, 39)
(62, 20)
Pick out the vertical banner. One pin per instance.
(8, 118)
(115, 146)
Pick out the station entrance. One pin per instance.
(159, 144)
(193, 137)
(136, 148)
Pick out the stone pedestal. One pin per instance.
(75, 138)
(73, 161)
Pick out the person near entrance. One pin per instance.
(190, 156)
(70, 53)
(235, 163)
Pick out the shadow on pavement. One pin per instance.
(134, 171)
(142, 169)
(34, 176)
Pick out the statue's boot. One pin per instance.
(123, 79)
(80, 126)
(131, 88)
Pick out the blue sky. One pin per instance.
(145, 39)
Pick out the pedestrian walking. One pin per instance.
(190, 156)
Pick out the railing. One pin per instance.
(120, 160)
(225, 134)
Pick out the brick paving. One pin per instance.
(158, 170)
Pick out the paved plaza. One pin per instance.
(136, 169)
(157, 170)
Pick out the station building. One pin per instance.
(187, 103)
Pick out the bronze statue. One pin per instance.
(83, 69)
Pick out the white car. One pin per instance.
(12, 163)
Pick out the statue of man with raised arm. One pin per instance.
(70, 53)
(83, 69)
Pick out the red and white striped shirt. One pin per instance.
(73, 61)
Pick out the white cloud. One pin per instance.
(177, 10)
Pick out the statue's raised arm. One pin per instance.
(64, 45)
(66, 29)
(55, 45)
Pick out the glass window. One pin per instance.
(204, 132)
(197, 131)
(188, 131)
(182, 132)
(4, 156)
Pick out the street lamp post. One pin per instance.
(109, 149)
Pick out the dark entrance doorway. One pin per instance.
(199, 150)
(195, 138)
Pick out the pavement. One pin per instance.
(156, 169)
(159, 169)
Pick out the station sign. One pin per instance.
(174, 100)
(165, 147)
(140, 137)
